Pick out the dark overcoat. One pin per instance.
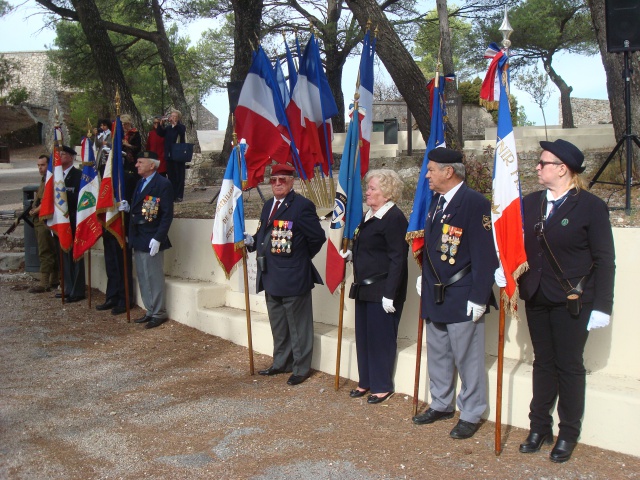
(142, 229)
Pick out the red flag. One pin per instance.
(112, 187)
(88, 228)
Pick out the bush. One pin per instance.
(17, 96)
(479, 175)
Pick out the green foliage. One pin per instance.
(478, 170)
(427, 44)
(470, 91)
(17, 96)
(5, 8)
(7, 69)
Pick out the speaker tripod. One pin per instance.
(628, 139)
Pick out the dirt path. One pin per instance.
(85, 395)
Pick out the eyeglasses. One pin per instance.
(278, 180)
(542, 163)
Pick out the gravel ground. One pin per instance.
(85, 395)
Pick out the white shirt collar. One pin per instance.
(381, 211)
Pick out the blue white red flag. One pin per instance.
(506, 208)
(490, 89)
(55, 208)
(112, 186)
(227, 238)
(260, 117)
(422, 199)
(366, 99)
(310, 110)
(291, 68)
(347, 208)
(88, 228)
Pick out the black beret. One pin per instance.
(148, 154)
(282, 169)
(570, 155)
(69, 150)
(445, 155)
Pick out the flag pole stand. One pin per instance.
(498, 436)
(247, 310)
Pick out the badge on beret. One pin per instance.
(486, 222)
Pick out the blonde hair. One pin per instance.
(178, 113)
(126, 118)
(389, 183)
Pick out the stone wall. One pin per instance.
(34, 74)
(587, 111)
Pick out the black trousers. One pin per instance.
(114, 265)
(558, 341)
(376, 345)
(176, 174)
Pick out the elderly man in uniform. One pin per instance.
(456, 286)
(289, 236)
(46, 242)
(151, 217)
(74, 283)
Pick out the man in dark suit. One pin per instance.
(151, 217)
(74, 282)
(456, 282)
(289, 236)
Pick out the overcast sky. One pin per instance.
(23, 31)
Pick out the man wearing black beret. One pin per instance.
(456, 288)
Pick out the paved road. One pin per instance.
(18, 174)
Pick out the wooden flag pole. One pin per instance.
(416, 380)
(498, 439)
(89, 276)
(247, 310)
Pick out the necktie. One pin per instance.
(437, 214)
(275, 209)
(555, 204)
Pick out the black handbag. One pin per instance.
(181, 152)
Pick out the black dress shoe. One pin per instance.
(270, 371)
(464, 430)
(155, 322)
(534, 441)
(118, 310)
(373, 399)
(355, 393)
(431, 416)
(562, 451)
(108, 305)
(143, 319)
(73, 299)
(296, 379)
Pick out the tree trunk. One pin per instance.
(565, 94)
(334, 61)
(398, 60)
(614, 68)
(105, 57)
(174, 82)
(247, 14)
(446, 53)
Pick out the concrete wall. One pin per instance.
(33, 73)
(199, 295)
(587, 111)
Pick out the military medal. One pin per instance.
(150, 208)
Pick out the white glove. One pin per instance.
(499, 277)
(598, 320)
(387, 305)
(419, 285)
(154, 247)
(347, 255)
(248, 239)
(124, 206)
(475, 310)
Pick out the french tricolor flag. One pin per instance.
(366, 99)
(506, 210)
(260, 117)
(310, 110)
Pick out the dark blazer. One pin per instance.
(579, 235)
(470, 211)
(380, 247)
(141, 230)
(171, 135)
(290, 274)
(72, 184)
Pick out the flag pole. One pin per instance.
(340, 321)
(125, 262)
(57, 145)
(89, 135)
(506, 31)
(245, 272)
(416, 380)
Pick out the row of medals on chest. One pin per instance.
(281, 236)
(150, 208)
(450, 241)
